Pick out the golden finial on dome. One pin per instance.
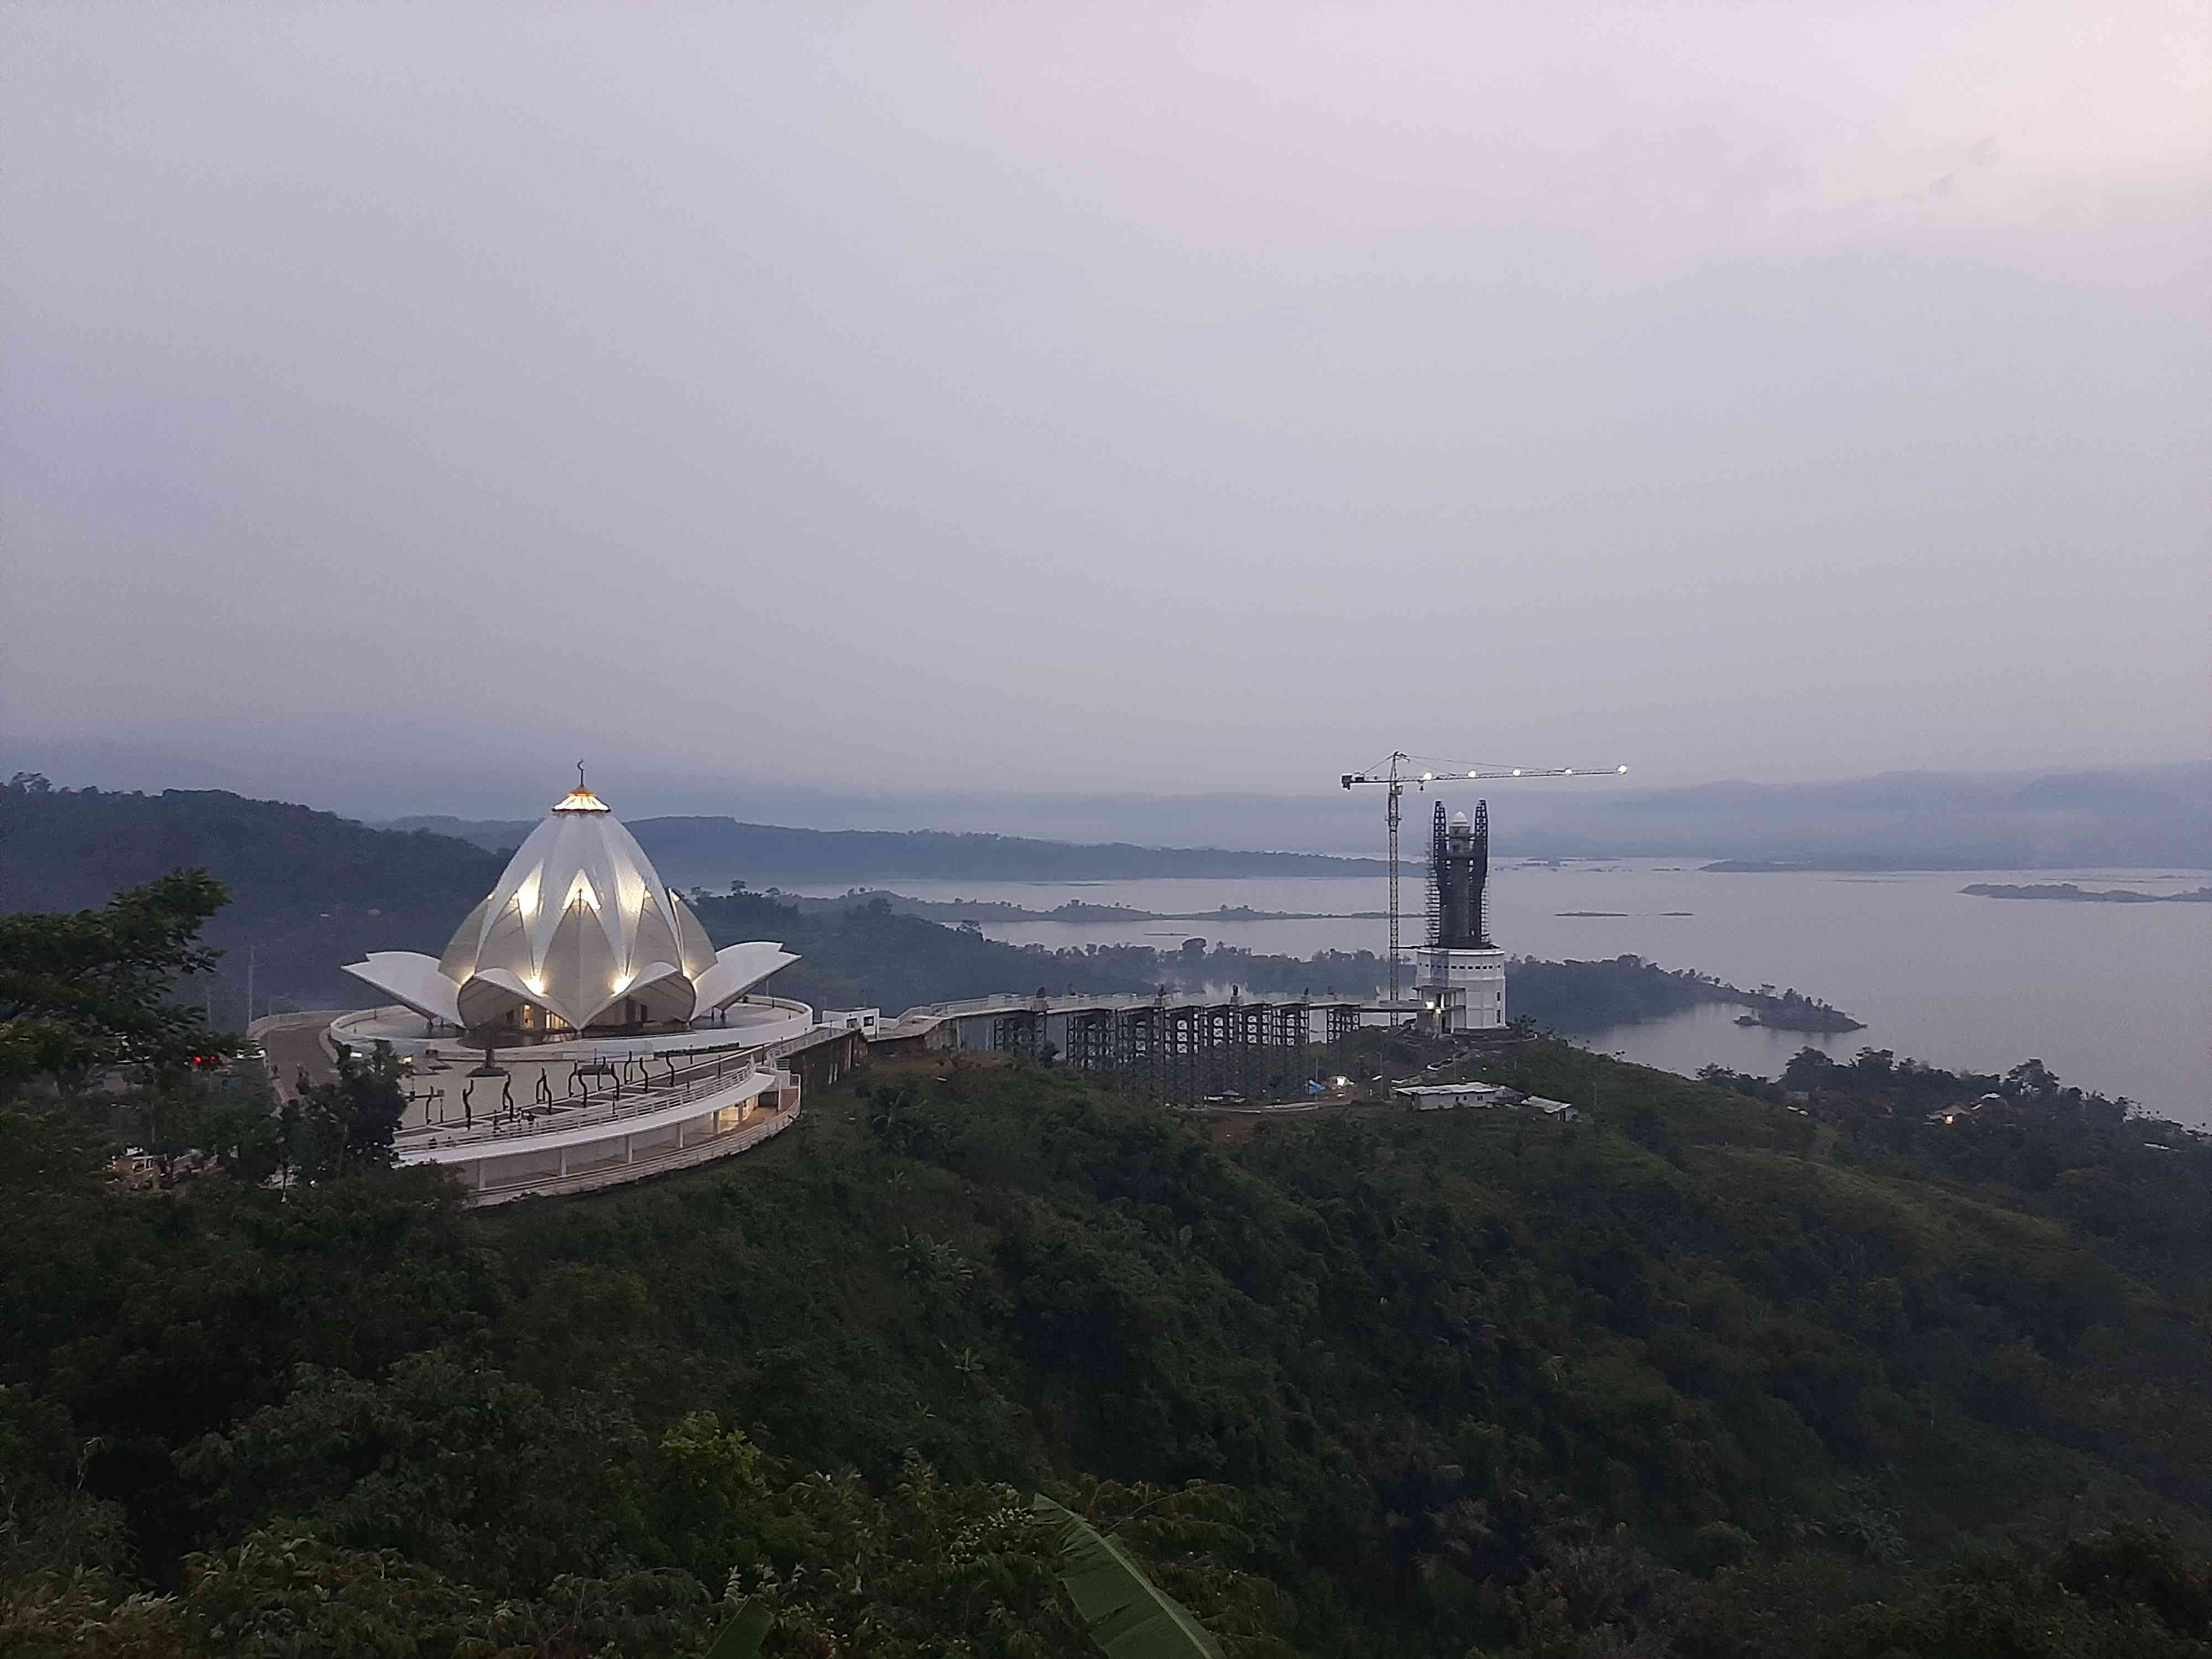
(580, 800)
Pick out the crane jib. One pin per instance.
(1392, 778)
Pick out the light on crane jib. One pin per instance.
(1395, 781)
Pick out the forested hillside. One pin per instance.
(64, 849)
(308, 890)
(1699, 1376)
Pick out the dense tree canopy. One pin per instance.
(1680, 1378)
(97, 989)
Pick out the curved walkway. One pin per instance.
(610, 1136)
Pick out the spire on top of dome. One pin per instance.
(580, 800)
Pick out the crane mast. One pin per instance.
(1393, 776)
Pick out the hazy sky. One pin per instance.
(1151, 397)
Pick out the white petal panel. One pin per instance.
(506, 944)
(490, 995)
(737, 970)
(579, 972)
(460, 958)
(654, 941)
(698, 951)
(663, 991)
(413, 979)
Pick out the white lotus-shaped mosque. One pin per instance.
(581, 933)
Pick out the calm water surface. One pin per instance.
(2116, 997)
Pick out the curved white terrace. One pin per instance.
(604, 1137)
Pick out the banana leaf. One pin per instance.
(1128, 1615)
(741, 1637)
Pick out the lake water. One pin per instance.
(2116, 997)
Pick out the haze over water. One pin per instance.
(2110, 996)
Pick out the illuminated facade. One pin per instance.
(580, 934)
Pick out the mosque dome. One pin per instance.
(580, 932)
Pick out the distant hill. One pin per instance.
(2133, 818)
(309, 890)
(2127, 816)
(2066, 892)
(710, 852)
(62, 849)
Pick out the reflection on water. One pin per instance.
(2110, 996)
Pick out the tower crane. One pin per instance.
(1402, 769)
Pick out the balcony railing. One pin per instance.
(617, 1104)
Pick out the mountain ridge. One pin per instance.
(711, 851)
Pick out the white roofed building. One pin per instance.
(579, 935)
(1450, 1097)
(627, 1045)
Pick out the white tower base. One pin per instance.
(1465, 990)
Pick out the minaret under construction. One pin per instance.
(1462, 974)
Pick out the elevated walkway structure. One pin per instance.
(1183, 1049)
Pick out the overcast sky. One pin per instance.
(403, 400)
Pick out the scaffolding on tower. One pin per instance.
(1395, 773)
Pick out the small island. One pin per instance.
(1792, 1013)
(2065, 893)
(1590, 996)
(1073, 911)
